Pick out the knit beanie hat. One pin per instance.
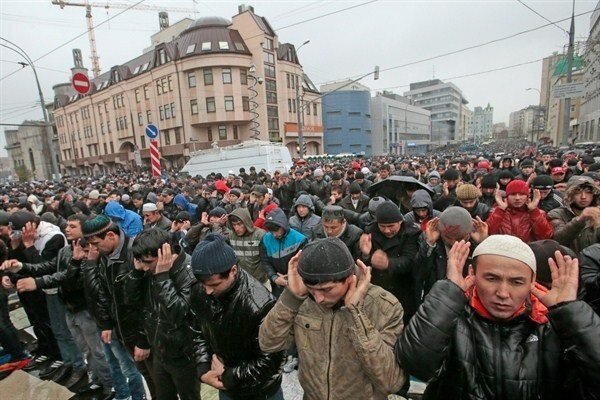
(325, 260)
(318, 172)
(354, 188)
(455, 222)
(515, 187)
(152, 197)
(20, 218)
(507, 246)
(451, 174)
(527, 162)
(217, 212)
(213, 256)
(49, 218)
(335, 213)
(95, 226)
(542, 182)
(467, 192)
(388, 213)
(236, 192)
(505, 174)
(375, 202)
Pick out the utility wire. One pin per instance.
(38, 67)
(540, 15)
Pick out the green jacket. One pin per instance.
(247, 247)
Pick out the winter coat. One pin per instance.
(420, 199)
(350, 236)
(589, 271)
(469, 357)
(527, 225)
(361, 207)
(309, 224)
(276, 253)
(577, 235)
(105, 291)
(480, 210)
(319, 189)
(398, 279)
(552, 201)
(165, 301)
(182, 204)
(129, 221)
(247, 247)
(163, 223)
(345, 352)
(170, 210)
(228, 327)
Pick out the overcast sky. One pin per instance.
(347, 43)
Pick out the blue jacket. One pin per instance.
(181, 202)
(129, 221)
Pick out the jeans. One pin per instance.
(176, 377)
(66, 344)
(146, 369)
(122, 366)
(276, 396)
(85, 333)
(9, 337)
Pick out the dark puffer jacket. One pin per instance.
(468, 357)
(105, 292)
(249, 373)
(350, 236)
(589, 270)
(165, 298)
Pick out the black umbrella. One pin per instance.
(394, 187)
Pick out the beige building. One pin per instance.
(217, 81)
(589, 114)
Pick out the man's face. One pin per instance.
(544, 193)
(238, 227)
(148, 261)
(105, 246)
(113, 197)
(504, 181)
(216, 286)
(390, 230)
(505, 163)
(463, 167)
(384, 173)
(279, 233)
(546, 158)
(503, 284)
(356, 196)
(232, 198)
(526, 170)
(558, 177)
(468, 204)
(421, 213)
(422, 169)
(151, 217)
(434, 181)
(73, 230)
(450, 239)
(451, 183)
(5, 230)
(166, 198)
(517, 200)
(298, 176)
(302, 211)
(333, 227)
(337, 194)
(138, 203)
(329, 294)
(583, 197)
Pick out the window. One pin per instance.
(191, 79)
(142, 141)
(245, 103)
(210, 105)
(146, 94)
(167, 136)
(194, 106)
(269, 57)
(315, 109)
(272, 111)
(222, 132)
(289, 105)
(268, 44)
(208, 76)
(271, 97)
(235, 132)
(149, 116)
(108, 127)
(140, 119)
(162, 57)
(102, 128)
(145, 67)
(170, 83)
(206, 46)
(137, 69)
(224, 45)
(112, 148)
(173, 110)
(177, 135)
(287, 79)
(269, 71)
(167, 111)
(228, 103)
(307, 108)
(243, 76)
(239, 46)
(292, 81)
(161, 113)
(137, 95)
(190, 49)
(271, 85)
(226, 75)
(273, 124)
(105, 149)
(294, 106)
(209, 134)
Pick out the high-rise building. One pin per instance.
(444, 101)
(346, 118)
(466, 127)
(589, 112)
(527, 123)
(483, 123)
(399, 127)
(215, 82)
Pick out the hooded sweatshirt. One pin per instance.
(129, 221)
(184, 205)
(247, 247)
(309, 224)
(420, 199)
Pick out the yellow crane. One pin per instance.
(90, 24)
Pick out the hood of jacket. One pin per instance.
(568, 198)
(434, 174)
(278, 218)
(305, 200)
(244, 215)
(421, 199)
(115, 210)
(181, 202)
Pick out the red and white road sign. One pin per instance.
(81, 83)
(155, 158)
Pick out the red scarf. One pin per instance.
(537, 314)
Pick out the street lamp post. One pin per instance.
(300, 109)
(49, 133)
(537, 130)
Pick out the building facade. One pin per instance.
(208, 86)
(399, 127)
(346, 111)
(444, 101)
(465, 130)
(589, 112)
(527, 123)
(483, 123)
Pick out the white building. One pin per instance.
(399, 127)
(589, 112)
(483, 123)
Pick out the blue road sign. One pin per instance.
(152, 131)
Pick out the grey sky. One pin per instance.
(384, 33)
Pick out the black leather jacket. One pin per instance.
(104, 284)
(166, 301)
(228, 326)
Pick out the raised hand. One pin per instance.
(456, 261)
(359, 285)
(78, 251)
(432, 233)
(380, 260)
(365, 244)
(295, 283)
(165, 259)
(535, 201)
(93, 253)
(480, 230)
(29, 232)
(445, 189)
(500, 202)
(565, 280)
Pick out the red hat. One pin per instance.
(484, 165)
(517, 186)
(355, 165)
(221, 186)
(557, 171)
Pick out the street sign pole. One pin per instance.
(152, 133)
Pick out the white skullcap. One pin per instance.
(507, 246)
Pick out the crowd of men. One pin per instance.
(477, 275)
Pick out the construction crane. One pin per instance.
(90, 24)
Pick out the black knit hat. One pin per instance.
(505, 174)
(20, 218)
(450, 174)
(388, 213)
(213, 256)
(526, 162)
(354, 188)
(325, 260)
(488, 182)
(95, 226)
(542, 182)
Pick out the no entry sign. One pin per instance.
(81, 83)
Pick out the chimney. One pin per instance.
(245, 7)
(77, 59)
(163, 20)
